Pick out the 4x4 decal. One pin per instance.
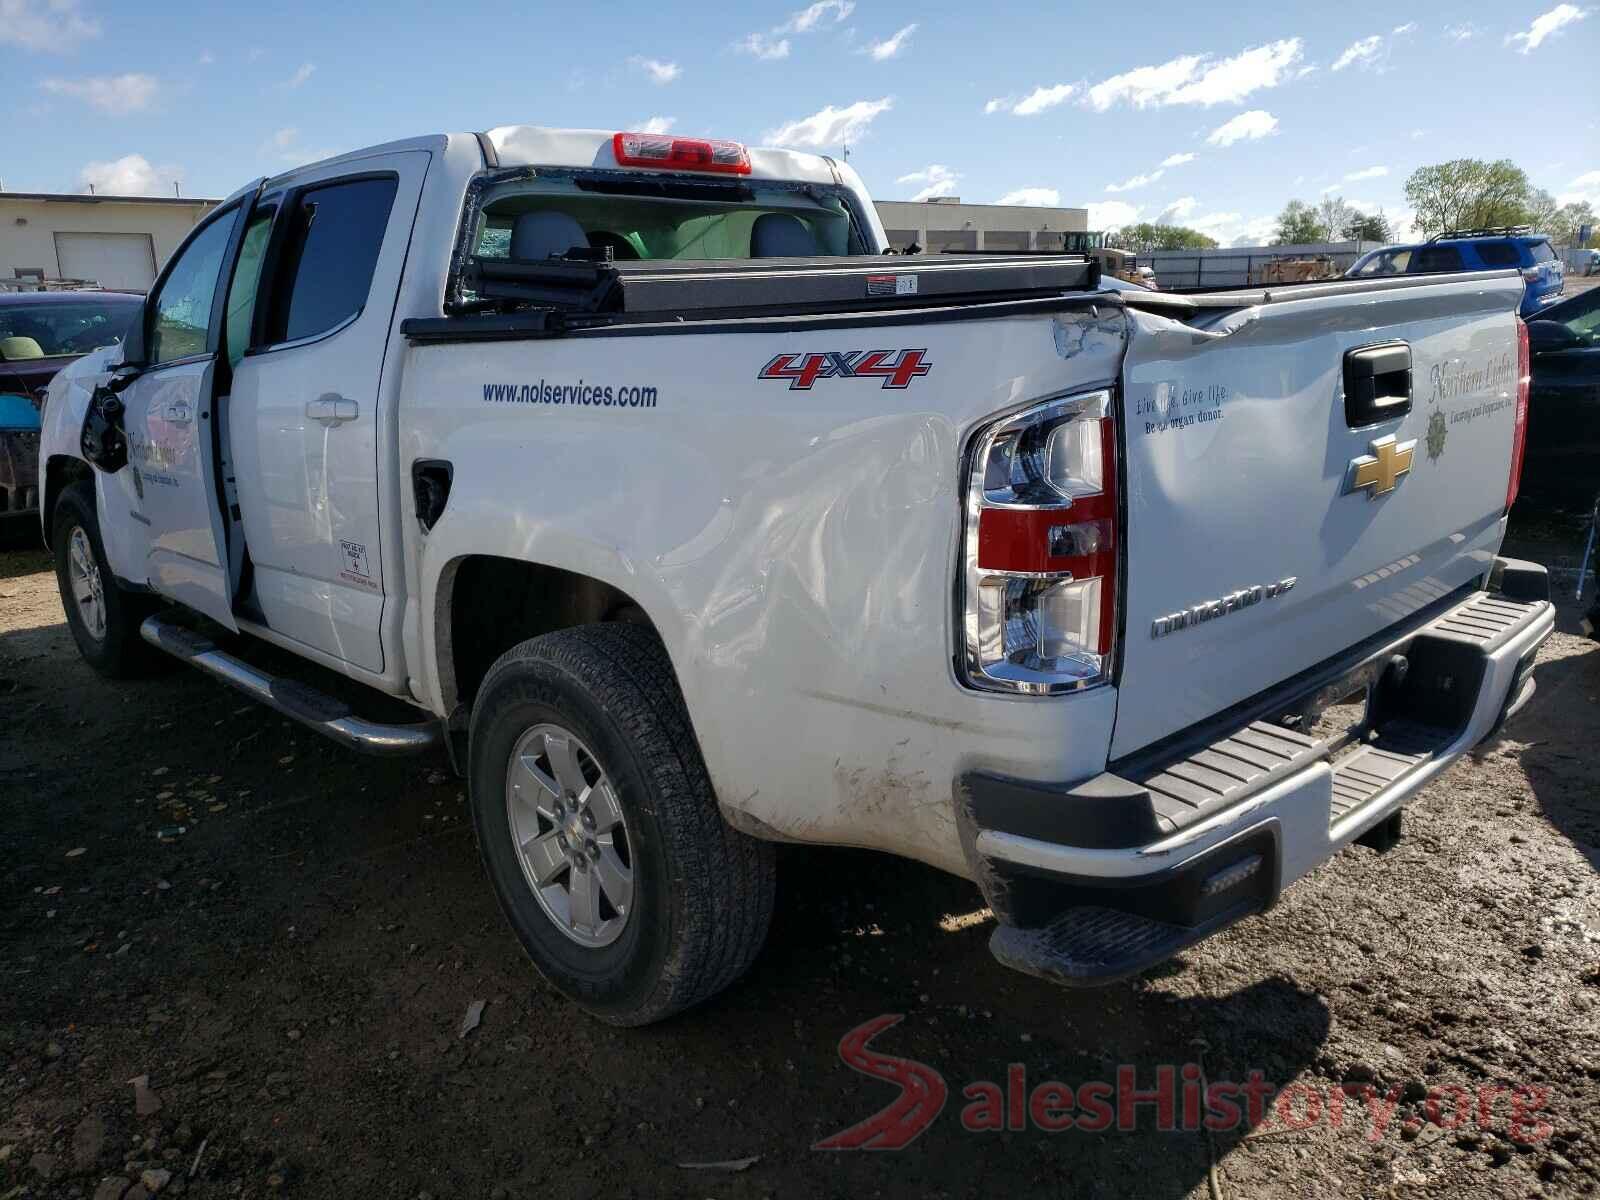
(896, 368)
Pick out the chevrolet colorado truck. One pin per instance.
(689, 521)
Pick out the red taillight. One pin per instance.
(1519, 425)
(1040, 586)
(668, 153)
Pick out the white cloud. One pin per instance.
(130, 175)
(1360, 54)
(1585, 189)
(891, 46)
(299, 78)
(1138, 181)
(1233, 229)
(1144, 86)
(1043, 98)
(831, 126)
(659, 72)
(1368, 173)
(118, 95)
(206, 58)
(1401, 30)
(809, 18)
(773, 46)
(1175, 212)
(999, 104)
(284, 146)
(1032, 197)
(1177, 160)
(1464, 32)
(1200, 79)
(763, 47)
(1112, 214)
(1247, 126)
(1546, 25)
(53, 26)
(938, 180)
(656, 125)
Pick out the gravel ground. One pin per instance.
(282, 939)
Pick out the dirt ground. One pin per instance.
(283, 939)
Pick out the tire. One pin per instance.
(107, 630)
(699, 894)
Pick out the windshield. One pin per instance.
(47, 330)
(649, 220)
(1582, 317)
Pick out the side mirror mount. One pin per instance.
(1550, 335)
(133, 344)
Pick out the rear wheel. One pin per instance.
(599, 830)
(104, 618)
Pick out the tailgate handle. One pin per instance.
(1377, 384)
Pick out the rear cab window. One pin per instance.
(1541, 252)
(642, 218)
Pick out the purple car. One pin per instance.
(41, 332)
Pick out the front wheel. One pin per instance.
(104, 618)
(599, 830)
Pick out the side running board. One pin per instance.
(315, 710)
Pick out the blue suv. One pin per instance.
(1476, 250)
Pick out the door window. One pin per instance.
(181, 310)
(1436, 258)
(246, 282)
(330, 252)
(1499, 254)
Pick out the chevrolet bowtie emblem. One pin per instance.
(1381, 470)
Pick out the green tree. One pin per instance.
(1333, 214)
(1560, 221)
(1297, 223)
(1367, 227)
(1571, 218)
(1468, 193)
(1145, 237)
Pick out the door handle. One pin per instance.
(178, 413)
(332, 409)
(1377, 384)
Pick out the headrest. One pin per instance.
(17, 348)
(781, 235)
(540, 235)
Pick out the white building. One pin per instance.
(115, 241)
(944, 223)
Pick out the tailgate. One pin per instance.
(1269, 529)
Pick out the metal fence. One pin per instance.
(1240, 266)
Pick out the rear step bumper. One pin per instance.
(1098, 881)
(315, 710)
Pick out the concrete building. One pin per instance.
(944, 223)
(115, 241)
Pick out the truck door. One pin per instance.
(169, 415)
(304, 411)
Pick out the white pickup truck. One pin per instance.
(691, 521)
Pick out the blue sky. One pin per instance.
(1208, 115)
